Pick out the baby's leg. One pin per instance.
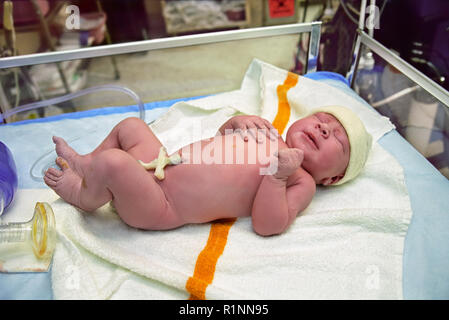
(139, 200)
(131, 135)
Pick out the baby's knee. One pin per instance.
(110, 162)
(133, 123)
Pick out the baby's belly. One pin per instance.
(221, 182)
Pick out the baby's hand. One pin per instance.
(289, 160)
(253, 126)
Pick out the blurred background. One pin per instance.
(415, 29)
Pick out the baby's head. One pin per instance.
(335, 144)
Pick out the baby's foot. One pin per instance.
(66, 183)
(75, 161)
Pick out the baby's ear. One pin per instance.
(330, 181)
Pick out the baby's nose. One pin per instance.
(323, 129)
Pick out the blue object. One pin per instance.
(8, 176)
(104, 111)
(326, 75)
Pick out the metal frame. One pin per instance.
(314, 47)
(407, 69)
(108, 50)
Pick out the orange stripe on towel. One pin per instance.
(207, 259)
(206, 262)
(283, 115)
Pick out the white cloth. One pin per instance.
(347, 244)
(257, 96)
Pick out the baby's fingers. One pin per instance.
(270, 131)
(292, 155)
(253, 133)
(273, 131)
(242, 134)
(274, 134)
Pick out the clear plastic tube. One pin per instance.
(70, 96)
(394, 96)
(46, 160)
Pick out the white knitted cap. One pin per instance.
(359, 139)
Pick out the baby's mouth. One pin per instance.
(311, 139)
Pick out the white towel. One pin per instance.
(347, 244)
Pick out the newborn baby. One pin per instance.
(328, 147)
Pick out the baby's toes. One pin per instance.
(55, 173)
(50, 180)
(62, 163)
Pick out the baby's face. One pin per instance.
(325, 144)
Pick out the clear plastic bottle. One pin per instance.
(38, 235)
(8, 177)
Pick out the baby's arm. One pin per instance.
(276, 205)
